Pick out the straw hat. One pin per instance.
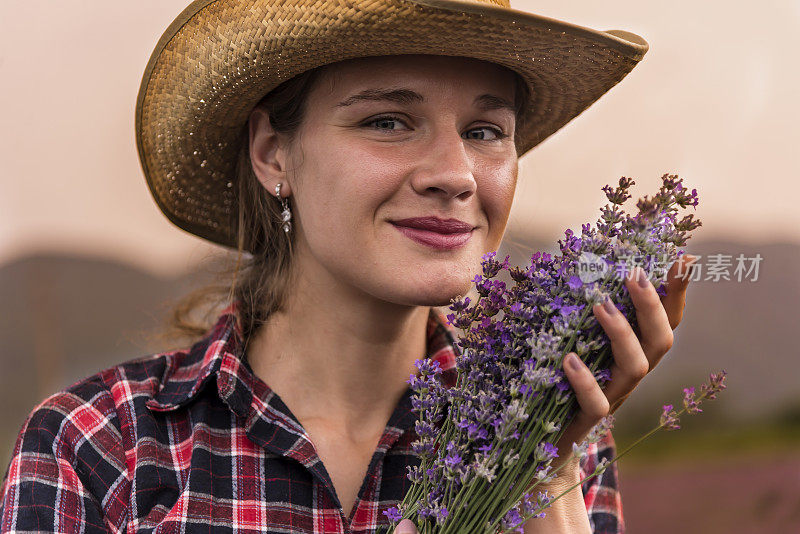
(218, 58)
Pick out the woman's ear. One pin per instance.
(267, 155)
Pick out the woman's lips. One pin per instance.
(435, 239)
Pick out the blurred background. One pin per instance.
(88, 265)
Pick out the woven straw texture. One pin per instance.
(220, 57)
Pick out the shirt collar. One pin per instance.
(218, 357)
(188, 372)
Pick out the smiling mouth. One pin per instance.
(435, 224)
(436, 239)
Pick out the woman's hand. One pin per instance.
(635, 354)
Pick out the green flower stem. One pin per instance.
(499, 488)
(475, 485)
(600, 469)
(491, 527)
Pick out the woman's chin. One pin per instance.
(435, 294)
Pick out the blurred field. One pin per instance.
(715, 475)
(743, 494)
(744, 481)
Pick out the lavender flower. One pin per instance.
(669, 418)
(715, 384)
(393, 514)
(484, 443)
(689, 402)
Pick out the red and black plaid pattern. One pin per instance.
(192, 441)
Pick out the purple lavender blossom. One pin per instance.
(596, 434)
(575, 282)
(715, 384)
(515, 335)
(393, 514)
(513, 521)
(545, 452)
(453, 459)
(669, 418)
(689, 401)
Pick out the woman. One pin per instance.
(389, 138)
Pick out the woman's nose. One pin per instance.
(445, 168)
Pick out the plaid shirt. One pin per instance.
(193, 441)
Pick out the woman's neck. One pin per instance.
(340, 358)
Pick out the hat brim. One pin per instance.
(220, 57)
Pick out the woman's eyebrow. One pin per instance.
(484, 102)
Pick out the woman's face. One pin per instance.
(441, 145)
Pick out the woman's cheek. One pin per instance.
(498, 192)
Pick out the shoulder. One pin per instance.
(85, 416)
(90, 405)
(75, 455)
(70, 454)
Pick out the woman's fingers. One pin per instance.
(594, 404)
(676, 284)
(655, 332)
(634, 354)
(406, 526)
(630, 363)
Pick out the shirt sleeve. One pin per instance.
(58, 476)
(601, 493)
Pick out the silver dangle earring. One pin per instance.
(286, 214)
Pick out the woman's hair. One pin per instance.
(260, 281)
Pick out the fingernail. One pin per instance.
(405, 527)
(641, 278)
(573, 361)
(609, 306)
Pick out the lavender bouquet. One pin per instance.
(486, 443)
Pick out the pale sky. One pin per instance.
(714, 101)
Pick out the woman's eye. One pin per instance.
(498, 134)
(381, 122)
(385, 123)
